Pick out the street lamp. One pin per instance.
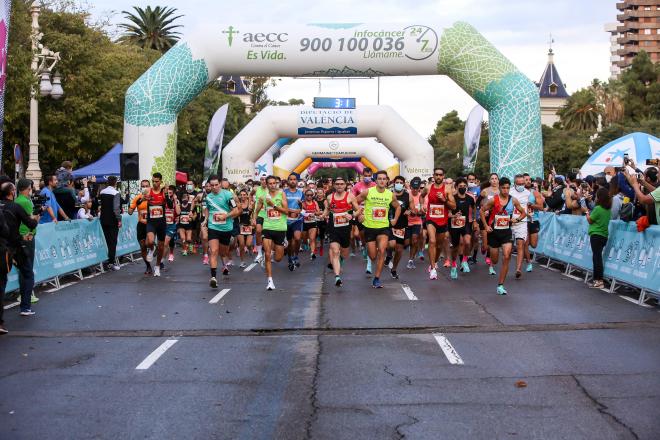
(43, 63)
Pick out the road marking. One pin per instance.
(250, 267)
(409, 293)
(12, 305)
(219, 296)
(450, 352)
(156, 354)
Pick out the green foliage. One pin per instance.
(642, 84)
(581, 111)
(292, 101)
(150, 28)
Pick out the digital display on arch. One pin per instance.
(338, 103)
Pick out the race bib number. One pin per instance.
(216, 218)
(246, 230)
(156, 212)
(309, 217)
(399, 233)
(142, 215)
(378, 213)
(273, 214)
(437, 211)
(458, 222)
(502, 222)
(169, 216)
(341, 220)
(184, 220)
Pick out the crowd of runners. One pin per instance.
(434, 223)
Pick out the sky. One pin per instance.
(520, 29)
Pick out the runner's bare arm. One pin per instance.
(397, 209)
(520, 209)
(451, 201)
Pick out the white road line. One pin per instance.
(156, 354)
(219, 296)
(11, 306)
(409, 293)
(450, 352)
(250, 267)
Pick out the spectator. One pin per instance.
(554, 196)
(111, 218)
(51, 207)
(25, 256)
(64, 173)
(618, 199)
(652, 198)
(599, 220)
(85, 211)
(4, 260)
(65, 194)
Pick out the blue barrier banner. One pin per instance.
(630, 257)
(127, 240)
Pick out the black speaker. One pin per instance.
(129, 166)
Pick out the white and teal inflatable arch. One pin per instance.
(336, 50)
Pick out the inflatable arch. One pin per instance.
(383, 122)
(316, 166)
(265, 163)
(303, 152)
(336, 50)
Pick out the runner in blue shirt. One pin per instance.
(294, 197)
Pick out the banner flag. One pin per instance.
(214, 141)
(5, 13)
(472, 137)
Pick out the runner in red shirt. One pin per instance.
(156, 224)
(439, 200)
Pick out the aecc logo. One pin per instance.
(259, 37)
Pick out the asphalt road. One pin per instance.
(122, 356)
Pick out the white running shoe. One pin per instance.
(156, 270)
(243, 265)
(270, 285)
(171, 257)
(259, 259)
(115, 267)
(433, 274)
(150, 255)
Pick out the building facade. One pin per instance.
(552, 92)
(613, 30)
(239, 87)
(638, 29)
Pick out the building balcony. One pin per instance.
(636, 37)
(635, 25)
(631, 14)
(630, 3)
(634, 50)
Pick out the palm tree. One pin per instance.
(151, 28)
(581, 111)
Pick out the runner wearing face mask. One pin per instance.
(246, 230)
(414, 235)
(398, 229)
(487, 194)
(534, 205)
(185, 222)
(463, 219)
(521, 194)
(475, 190)
(310, 212)
(172, 212)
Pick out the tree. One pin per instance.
(292, 101)
(642, 84)
(258, 87)
(447, 143)
(581, 111)
(151, 28)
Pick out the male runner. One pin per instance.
(294, 196)
(534, 205)
(475, 190)
(139, 203)
(414, 236)
(156, 225)
(276, 210)
(486, 195)
(338, 208)
(374, 216)
(463, 220)
(439, 198)
(220, 210)
(520, 232)
(498, 226)
(365, 183)
(200, 203)
(172, 212)
(185, 225)
(259, 192)
(398, 230)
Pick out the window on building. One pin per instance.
(553, 89)
(647, 8)
(647, 31)
(658, 31)
(231, 86)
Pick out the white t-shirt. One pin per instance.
(82, 215)
(523, 199)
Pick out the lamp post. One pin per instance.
(43, 63)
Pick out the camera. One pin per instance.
(654, 162)
(38, 202)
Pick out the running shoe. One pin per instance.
(296, 261)
(447, 263)
(191, 249)
(205, 260)
(352, 254)
(420, 255)
(410, 265)
(313, 257)
(156, 271)
(213, 283)
(28, 312)
(171, 257)
(3, 331)
(330, 266)
(597, 285)
(259, 259)
(491, 270)
(115, 267)
(243, 265)
(394, 274)
(33, 299)
(433, 275)
(270, 285)
(150, 255)
(488, 262)
(338, 282)
(501, 290)
(292, 266)
(529, 267)
(453, 273)
(148, 271)
(376, 284)
(184, 253)
(465, 267)
(518, 274)
(368, 266)
(364, 253)
(388, 260)
(225, 270)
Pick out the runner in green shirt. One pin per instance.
(259, 192)
(274, 225)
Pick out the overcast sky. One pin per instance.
(520, 29)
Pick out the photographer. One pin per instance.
(15, 215)
(51, 207)
(653, 198)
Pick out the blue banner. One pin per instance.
(631, 257)
(127, 240)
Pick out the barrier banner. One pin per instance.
(630, 257)
(127, 240)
